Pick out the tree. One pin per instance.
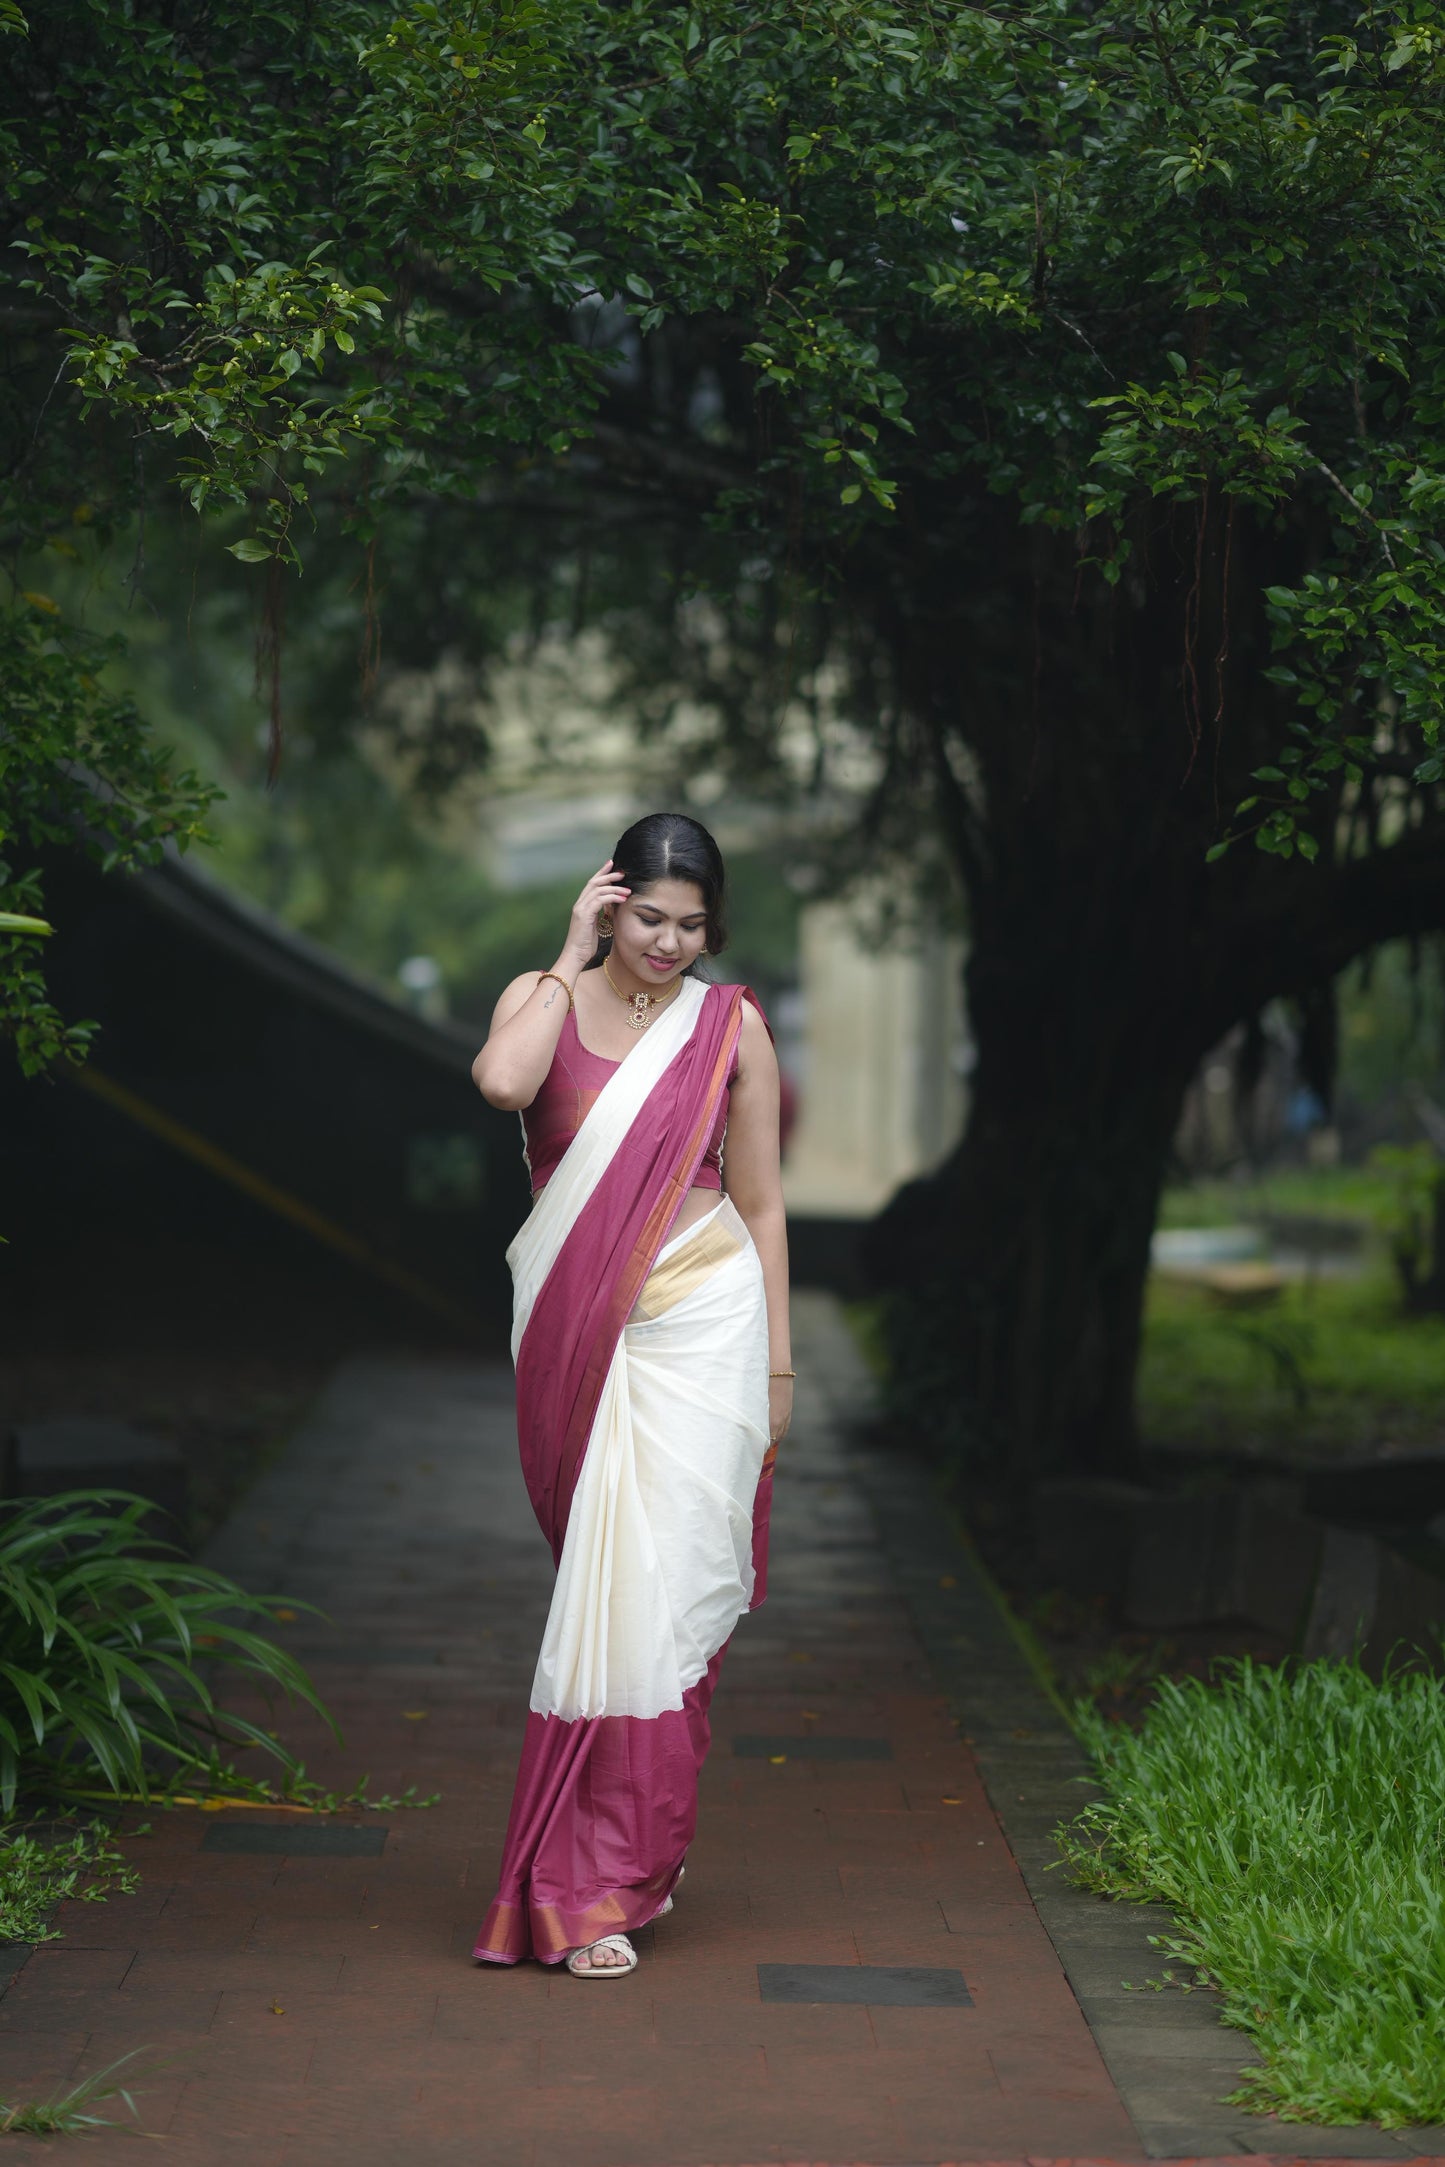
(1074, 378)
(179, 184)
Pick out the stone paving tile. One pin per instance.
(66, 1968)
(32, 2068)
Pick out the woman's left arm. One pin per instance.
(754, 1181)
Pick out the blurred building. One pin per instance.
(880, 1056)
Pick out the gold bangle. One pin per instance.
(545, 975)
(782, 1373)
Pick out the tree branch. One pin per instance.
(1392, 894)
(1363, 509)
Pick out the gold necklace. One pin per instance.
(640, 1005)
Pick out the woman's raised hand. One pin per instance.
(527, 1021)
(604, 888)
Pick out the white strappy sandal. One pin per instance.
(681, 1876)
(619, 1944)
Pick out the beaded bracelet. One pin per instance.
(782, 1373)
(562, 983)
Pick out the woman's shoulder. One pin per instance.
(727, 995)
(725, 992)
(755, 1034)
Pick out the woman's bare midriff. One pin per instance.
(695, 1205)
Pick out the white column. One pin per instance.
(881, 1087)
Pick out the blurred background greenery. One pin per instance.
(384, 855)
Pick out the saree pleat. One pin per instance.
(658, 1519)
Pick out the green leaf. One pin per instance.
(250, 551)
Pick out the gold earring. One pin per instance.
(604, 925)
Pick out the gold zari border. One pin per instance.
(694, 1261)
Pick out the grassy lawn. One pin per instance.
(1360, 1193)
(1290, 1818)
(1332, 1368)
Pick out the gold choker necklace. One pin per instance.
(641, 1006)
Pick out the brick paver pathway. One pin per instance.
(324, 2009)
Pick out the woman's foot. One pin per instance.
(603, 1959)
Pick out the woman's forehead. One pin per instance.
(677, 898)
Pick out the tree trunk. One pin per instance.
(1017, 1273)
(1081, 798)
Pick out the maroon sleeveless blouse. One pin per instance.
(567, 1092)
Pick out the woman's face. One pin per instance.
(659, 931)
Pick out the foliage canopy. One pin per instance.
(1081, 261)
(1077, 259)
(1073, 376)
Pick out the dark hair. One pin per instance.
(672, 846)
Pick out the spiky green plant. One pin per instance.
(109, 1642)
(1294, 1821)
(67, 2114)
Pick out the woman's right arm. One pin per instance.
(527, 1021)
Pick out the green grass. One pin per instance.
(1294, 1822)
(1362, 1193)
(68, 2114)
(35, 1876)
(1332, 1368)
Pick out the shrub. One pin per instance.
(108, 1640)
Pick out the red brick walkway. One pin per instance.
(317, 2010)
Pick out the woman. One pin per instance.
(654, 1381)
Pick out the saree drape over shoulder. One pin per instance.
(642, 1414)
